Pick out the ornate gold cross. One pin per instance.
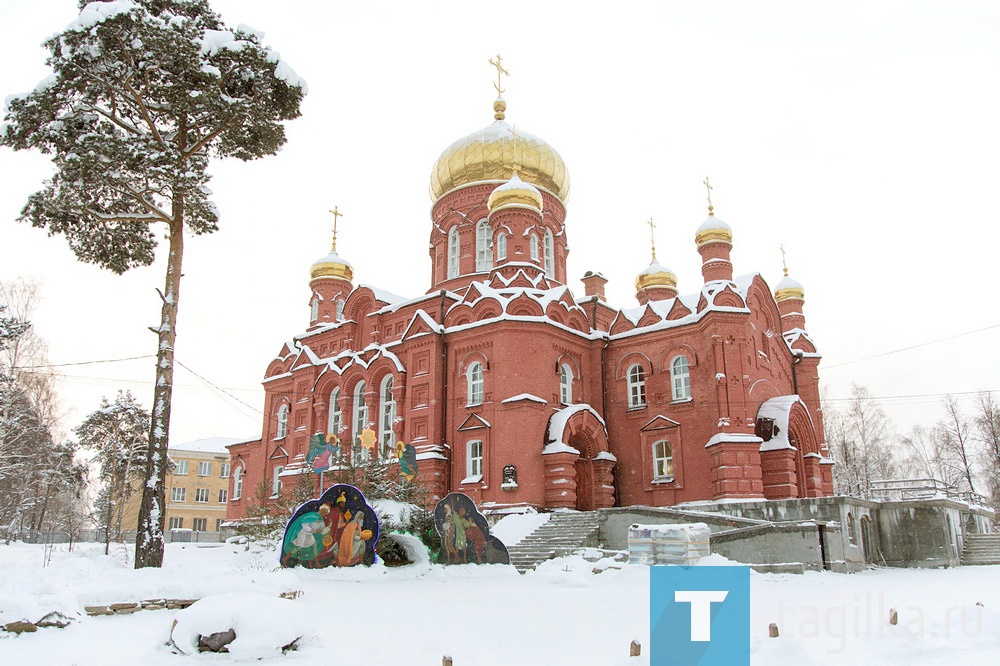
(708, 187)
(500, 70)
(336, 215)
(784, 264)
(652, 237)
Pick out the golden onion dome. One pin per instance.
(713, 230)
(515, 192)
(656, 276)
(494, 154)
(332, 266)
(788, 289)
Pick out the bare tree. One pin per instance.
(861, 440)
(987, 425)
(956, 445)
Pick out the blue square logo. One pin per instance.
(699, 616)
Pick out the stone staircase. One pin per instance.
(565, 532)
(981, 549)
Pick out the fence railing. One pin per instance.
(904, 489)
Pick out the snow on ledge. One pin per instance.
(733, 437)
(606, 455)
(524, 396)
(558, 447)
(557, 422)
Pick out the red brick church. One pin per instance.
(517, 392)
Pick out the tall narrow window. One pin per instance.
(475, 377)
(387, 408)
(360, 409)
(282, 422)
(474, 460)
(238, 483)
(565, 384)
(340, 309)
(484, 246)
(275, 481)
(549, 254)
(314, 309)
(501, 246)
(201, 495)
(336, 417)
(663, 460)
(204, 469)
(636, 386)
(533, 247)
(223, 495)
(453, 252)
(224, 472)
(680, 378)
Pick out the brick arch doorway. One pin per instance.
(582, 442)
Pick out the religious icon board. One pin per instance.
(339, 529)
(465, 533)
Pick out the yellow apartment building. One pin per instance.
(198, 489)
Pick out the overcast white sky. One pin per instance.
(864, 136)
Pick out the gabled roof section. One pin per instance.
(474, 422)
(800, 343)
(421, 324)
(659, 422)
(278, 453)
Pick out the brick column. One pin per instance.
(778, 472)
(736, 466)
(560, 480)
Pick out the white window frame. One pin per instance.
(565, 384)
(476, 382)
(181, 467)
(501, 246)
(282, 430)
(314, 309)
(223, 495)
(238, 483)
(548, 254)
(387, 410)
(205, 468)
(360, 409)
(473, 460)
(636, 386)
(276, 480)
(203, 524)
(663, 460)
(201, 495)
(340, 309)
(178, 494)
(454, 253)
(224, 471)
(336, 417)
(680, 378)
(176, 523)
(533, 247)
(484, 247)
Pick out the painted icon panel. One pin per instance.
(339, 529)
(465, 533)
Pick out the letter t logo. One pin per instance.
(701, 610)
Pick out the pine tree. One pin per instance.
(118, 433)
(142, 93)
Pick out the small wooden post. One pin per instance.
(772, 630)
(635, 649)
(893, 616)
(446, 661)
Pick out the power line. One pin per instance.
(903, 349)
(217, 388)
(30, 368)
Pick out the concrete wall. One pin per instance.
(613, 523)
(921, 533)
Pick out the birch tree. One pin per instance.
(141, 95)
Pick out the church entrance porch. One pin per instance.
(579, 469)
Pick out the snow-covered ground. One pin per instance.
(562, 613)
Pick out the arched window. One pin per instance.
(636, 386)
(680, 378)
(484, 246)
(237, 483)
(533, 247)
(336, 416)
(360, 409)
(549, 254)
(475, 377)
(501, 246)
(276, 481)
(852, 537)
(663, 460)
(453, 252)
(473, 460)
(387, 408)
(565, 384)
(340, 309)
(314, 309)
(282, 421)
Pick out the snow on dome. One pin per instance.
(788, 283)
(711, 223)
(656, 267)
(332, 266)
(515, 183)
(515, 192)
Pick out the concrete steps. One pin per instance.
(981, 549)
(565, 532)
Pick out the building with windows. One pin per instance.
(518, 392)
(198, 485)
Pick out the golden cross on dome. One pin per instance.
(336, 215)
(784, 264)
(517, 164)
(652, 237)
(708, 186)
(500, 70)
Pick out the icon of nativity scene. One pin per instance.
(338, 529)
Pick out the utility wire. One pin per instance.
(29, 368)
(217, 388)
(896, 351)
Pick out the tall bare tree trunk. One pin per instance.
(149, 538)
